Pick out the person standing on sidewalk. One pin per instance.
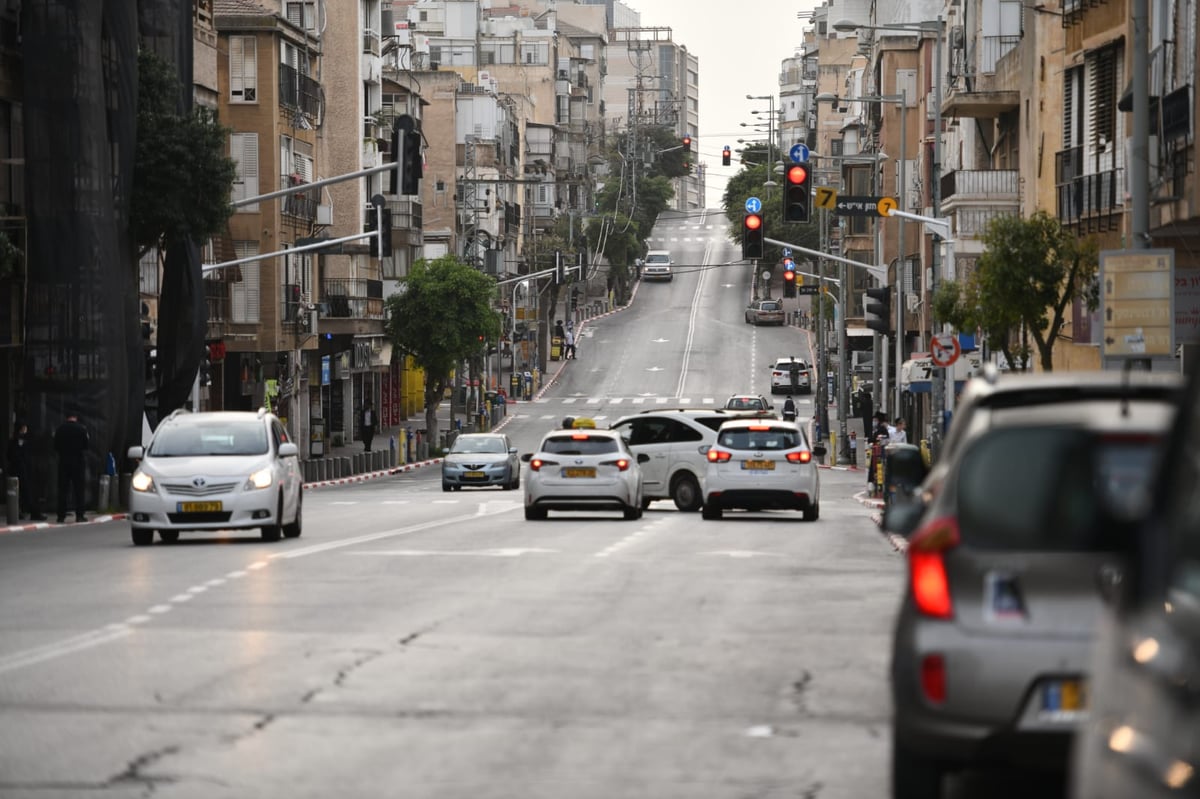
(71, 442)
(366, 422)
(569, 353)
(20, 466)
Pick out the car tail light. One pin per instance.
(927, 567)
(579, 437)
(759, 427)
(718, 455)
(799, 457)
(621, 463)
(933, 678)
(536, 464)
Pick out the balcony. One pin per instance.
(1092, 200)
(302, 204)
(216, 301)
(351, 305)
(299, 92)
(407, 223)
(992, 73)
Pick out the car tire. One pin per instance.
(273, 532)
(445, 486)
(812, 512)
(294, 529)
(914, 776)
(534, 514)
(686, 493)
(168, 536)
(646, 502)
(633, 512)
(711, 511)
(142, 538)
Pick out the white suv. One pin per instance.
(657, 265)
(762, 464)
(781, 376)
(676, 441)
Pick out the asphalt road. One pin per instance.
(419, 644)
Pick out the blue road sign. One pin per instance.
(799, 153)
(753, 205)
(787, 252)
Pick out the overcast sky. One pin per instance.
(740, 46)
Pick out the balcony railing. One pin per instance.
(990, 50)
(1095, 199)
(352, 298)
(216, 298)
(983, 184)
(299, 92)
(406, 214)
(302, 204)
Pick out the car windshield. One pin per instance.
(580, 445)
(657, 259)
(744, 404)
(767, 438)
(474, 446)
(770, 306)
(214, 437)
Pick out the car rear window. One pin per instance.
(770, 438)
(1053, 489)
(210, 438)
(580, 445)
(770, 306)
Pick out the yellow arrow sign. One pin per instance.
(886, 205)
(826, 197)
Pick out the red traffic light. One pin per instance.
(753, 221)
(789, 275)
(797, 174)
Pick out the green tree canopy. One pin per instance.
(748, 182)
(182, 177)
(442, 310)
(1030, 273)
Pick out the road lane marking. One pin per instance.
(41, 654)
(510, 552)
(691, 332)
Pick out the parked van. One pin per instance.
(657, 265)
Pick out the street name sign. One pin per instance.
(1137, 303)
(813, 289)
(857, 205)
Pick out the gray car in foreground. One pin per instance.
(1015, 541)
(481, 459)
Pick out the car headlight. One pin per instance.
(142, 481)
(263, 478)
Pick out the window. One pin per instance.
(1072, 108)
(244, 295)
(303, 14)
(243, 69)
(243, 149)
(1102, 69)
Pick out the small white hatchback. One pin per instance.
(762, 464)
(583, 470)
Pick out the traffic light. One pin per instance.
(373, 241)
(687, 144)
(206, 367)
(797, 194)
(726, 156)
(790, 278)
(879, 311)
(752, 236)
(406, 152)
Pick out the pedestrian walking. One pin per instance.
(899, 435)
(20, 466)
(789, 409)
(71, 441)
(570, 351)
(865, 409)
(367, 424)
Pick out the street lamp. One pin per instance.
(938, 28)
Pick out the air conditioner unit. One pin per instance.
(308, 321)
(324, 214)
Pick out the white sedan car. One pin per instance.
(583, 470)
(221, 470)
(762, 464)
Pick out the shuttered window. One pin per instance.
(244, 295)
(1072, 108)
(243, 149)
(302, 14)
(1102, 97)
(243, 69)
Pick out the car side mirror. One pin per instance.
(527, 457)
(135, 453)
(512, 450)
(643, 458)
(288, 450)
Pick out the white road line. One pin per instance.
(638, 400)
(30, 657)
(568, 400)
(262, 564)
(236, 574)
(140, 618)
(179, 598)
(363, 539)
(661, 400)
(691, 334)
(158, 610)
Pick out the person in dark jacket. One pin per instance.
(864, 410)
(20, 466)
(367, 423)
(71, 442)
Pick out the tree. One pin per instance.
(748, 182)
(444, 306)
(1030, 273)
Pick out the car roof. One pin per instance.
(196, 417)
(742, 422)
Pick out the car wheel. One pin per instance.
(168, 536)
(633, 512)
(812, 512)
(445, 486)
(686, 493)
(534, 514)
(711, 511)
(293, 530)
(646, 502)
(142, 538)
(914, 776)
(273, 532)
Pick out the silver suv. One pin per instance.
(677, 442)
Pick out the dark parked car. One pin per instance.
(1014, 539)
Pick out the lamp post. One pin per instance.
(938, 28)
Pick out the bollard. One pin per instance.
(833, 448)
(13, 498)
(114, 494)
(323, 469)
(124, 488)
(853, 450)
(391, 461)
(102, 494)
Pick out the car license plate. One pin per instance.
(199, 507)
(759, 465)
(588, 471)
(1064, 698)
(474, 475)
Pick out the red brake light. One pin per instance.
(933, 678)
(760, 427)
(622, 464)
(927, 568)
(799, 457)
(579, 437)
(535, 464)
(718, 456)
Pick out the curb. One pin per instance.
(360, 478)
(25, 528)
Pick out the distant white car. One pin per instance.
(657, 265)
(781, 376)
(583, 469)
(762, 464)
(219, 470)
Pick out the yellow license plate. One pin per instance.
(199, 507)
(584, 472)
(759, 465)
(1064, 696)
(473, 474)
